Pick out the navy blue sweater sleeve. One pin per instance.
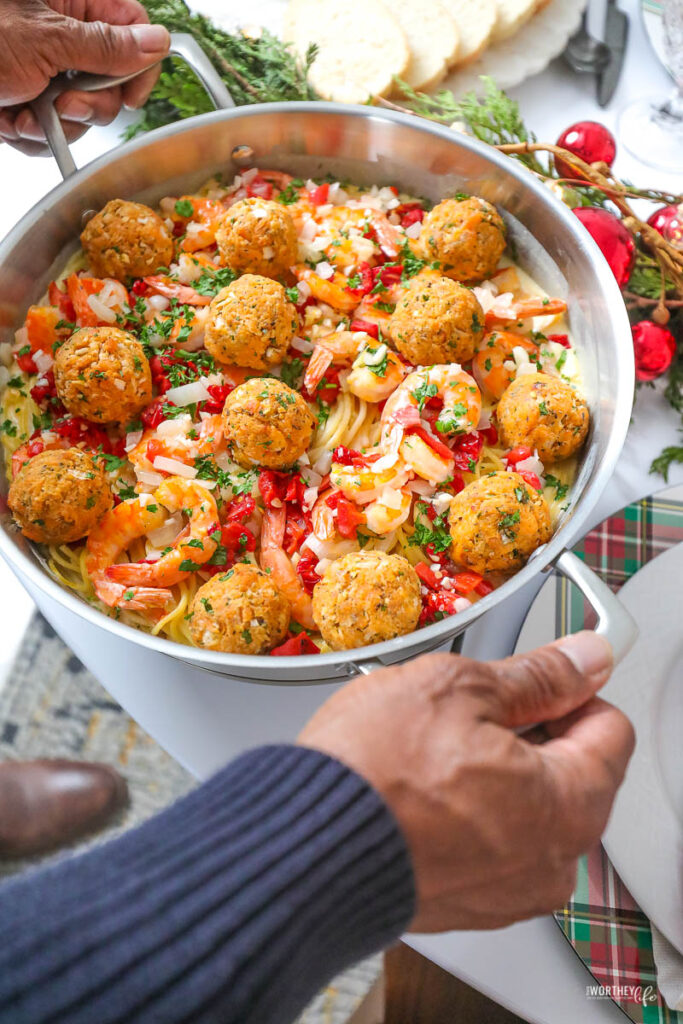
(234, 905)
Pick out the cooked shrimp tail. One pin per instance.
(283, 574)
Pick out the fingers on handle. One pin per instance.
(105, 49)
(136, 91)
(551, 681)
(587, 758)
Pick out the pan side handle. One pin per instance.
(614, 621)
(183, 45)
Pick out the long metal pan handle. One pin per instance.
(183, 45)
(614, 621)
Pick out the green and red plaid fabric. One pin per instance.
(607, 929)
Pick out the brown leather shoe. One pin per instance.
(47, 803)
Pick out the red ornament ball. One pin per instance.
(668, 220)
(589, 140)
(615, 242)
(654, 348)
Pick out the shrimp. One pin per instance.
(389, 237)
(493, 366)
(376, 370)
(366, 483)
(459, 392)
(389, 511)
(114, 533)
(504, 310)
(193, 547)
(278, 178)
(332, 292)
(96, 300)
(175, 290)
(283, 574)
(178, 446)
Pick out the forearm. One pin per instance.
(236, 904)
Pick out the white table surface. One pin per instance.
(203, 720)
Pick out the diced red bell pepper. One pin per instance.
(26, 362)
(484, 588)
(319, 195)
(295, 645)
(367, 326)
(466, 451)
(532, 479)
(295, 530)
(412, 217)
(561, 339)
(388, 275)
(240, 509)
(270, 487)
(466, 582)
(56, 297)
(259, 187)
(153, 414)
(140, 288)
(428, 576)
(305, 568)
(41, 392)
(352, 457)
(518, 454)
(367, 280)
(237, 538)
(218, 392)
(437, 446)
(349, 517)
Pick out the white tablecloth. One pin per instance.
(203, 720)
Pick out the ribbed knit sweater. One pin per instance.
(236, 904)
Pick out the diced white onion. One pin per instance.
(175, 428)
(322, 463)
(531, 465)
(248, 176)
(5, 353)
(158, 302)
(325, 270)
(175, 467)
(337, 195)
(322, 565)
(21, 337)
(167, 533)
(462, 604)
(188, 394)
(414, 230)
(310, 497)
(144, 498)
(133, 439)
(386, 462)
(101, 311)
(484, 419)
(391, 498)
(149, 479)
(302, 344)
(43, 360)
(309, 230)
(441, 501)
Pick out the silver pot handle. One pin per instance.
(182, 45)
(614, 621)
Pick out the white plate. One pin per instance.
(527, 53)
(644, 837)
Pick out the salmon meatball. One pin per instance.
(544, 413)
(102, 374)
(266, 423)
(126, 240)
(466, 236)
(59, 496)
(257, 236)
(496, 522)
(366, 597)
(436, 320)
(251, 323)
(241, 611)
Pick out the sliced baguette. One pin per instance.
(360, 46)
(474, 20)
(432, 38)
(511, 15)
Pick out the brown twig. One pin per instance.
(229, 69)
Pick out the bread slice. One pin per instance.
(474, 20)
(511, 15)
(432, 38)
(360, 46)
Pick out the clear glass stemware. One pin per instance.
(652, 129)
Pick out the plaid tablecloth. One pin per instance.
(605, 926)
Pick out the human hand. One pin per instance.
(494, 823)
(38, 39)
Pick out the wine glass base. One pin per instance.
(652, 136)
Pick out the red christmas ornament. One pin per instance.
(654, 348)
(668, 220)
(615, 242)
(589, 140)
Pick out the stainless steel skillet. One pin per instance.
(368, 146)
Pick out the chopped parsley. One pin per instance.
(543, 408)
(423, 392)
(187, 565)
(379, 369)
(560, 488)
(211, 281)
(293, 294)
(208, 607)
(246, 636)
(290, 194)
(184, 208)
(507, 523)
(9, 428)
(110, 462)
(434, 532)
(291, 372)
